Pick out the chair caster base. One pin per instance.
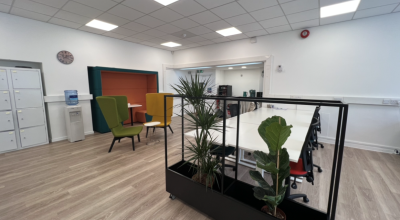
(172, 197)
(294, 186)
(319, 170)
(305, 199)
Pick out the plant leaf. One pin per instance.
(277, 135)
(256, 176)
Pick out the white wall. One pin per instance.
(29, 40)
(243, 80)
(356, 58)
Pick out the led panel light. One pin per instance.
(243, 67)
(240, 64)
(166, 2)
(229, 32)
(340, 8)
(196, 68)
(101, 25)
(230, 68)
(171, 44)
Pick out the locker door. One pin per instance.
(3, 80)
(28, 98)
(6, 121)
(8, 141)
(30, 117)
(33, 136)
(26, 79)
(5, 103)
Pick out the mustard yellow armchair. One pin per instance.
(155, 108)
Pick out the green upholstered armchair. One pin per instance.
(115, 111)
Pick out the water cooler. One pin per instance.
(74, 121)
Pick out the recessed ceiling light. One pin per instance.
(196, 68)
(240, 64)
(230, 68)
(341, 8)
(171, 44)
(243, 67)
(166, 2)
(229, 32)
(101, 25)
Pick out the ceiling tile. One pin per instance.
(7, 2)
(134, 40)
(220, 40)
(324, 3)
(249, 27)
(144, 6)
(337, 18)
(196, 39)
(279, 29)
(169, 37)
(256, 33)
(149, 21)
(299, 6)
(185, 23)
(112, 19)
(199, 30)
(397, 9)
(183, 34)
(211, 35)
(218, 25)
(284, 1)
(305, 24)
(35, 7)
(92, 30)
(229, 10)
(238, 37)
(4, 8)
(157, 41)
(125, 12)
(274, 22)
(204, 17)
(65, 23)
(102, 5)
(213, 3)
(192, 45)
(240, 20)
(303, 16)
(124, 31)
(72, 17)
(53, 3)
(135, 27)
(29, 14)
(364, 4)
(187, 7)
(114, 35)
(82, 10)
(168, 28)
(267, 13)
(183, 41)
(207, 42)
(142, 36)
(148, 43)
(375, 11)
(154, 33)
(166, 14)
(254, 5)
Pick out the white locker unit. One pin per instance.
(22, 113)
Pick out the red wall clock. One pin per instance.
(305, 33)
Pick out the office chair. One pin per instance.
(115, 111)
(314, 135)
(313, 138)
(155, 108)
(233, 108)
(217, 151)
(303, 168)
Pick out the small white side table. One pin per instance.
(150, 140)
(131, 106)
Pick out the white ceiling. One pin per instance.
(150, 23)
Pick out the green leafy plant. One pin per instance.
(274, 132)
(201, 117)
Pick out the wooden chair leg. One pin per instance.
(112, 145)
(170, 128)
(133, 143)
(154, 128)
(147, 132)
(138, 137)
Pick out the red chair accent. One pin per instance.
(297, 169)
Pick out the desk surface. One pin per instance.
(250, 140)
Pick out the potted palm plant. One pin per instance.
(274, 132)
(202, 118)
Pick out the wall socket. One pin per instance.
(391, 102)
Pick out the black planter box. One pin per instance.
(237, 202)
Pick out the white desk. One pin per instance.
(131, 106)
(250, 140)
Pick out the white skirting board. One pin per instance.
(361, 145)
(65, 137)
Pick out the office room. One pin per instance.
(199, 109)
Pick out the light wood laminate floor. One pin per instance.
(81, 180)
